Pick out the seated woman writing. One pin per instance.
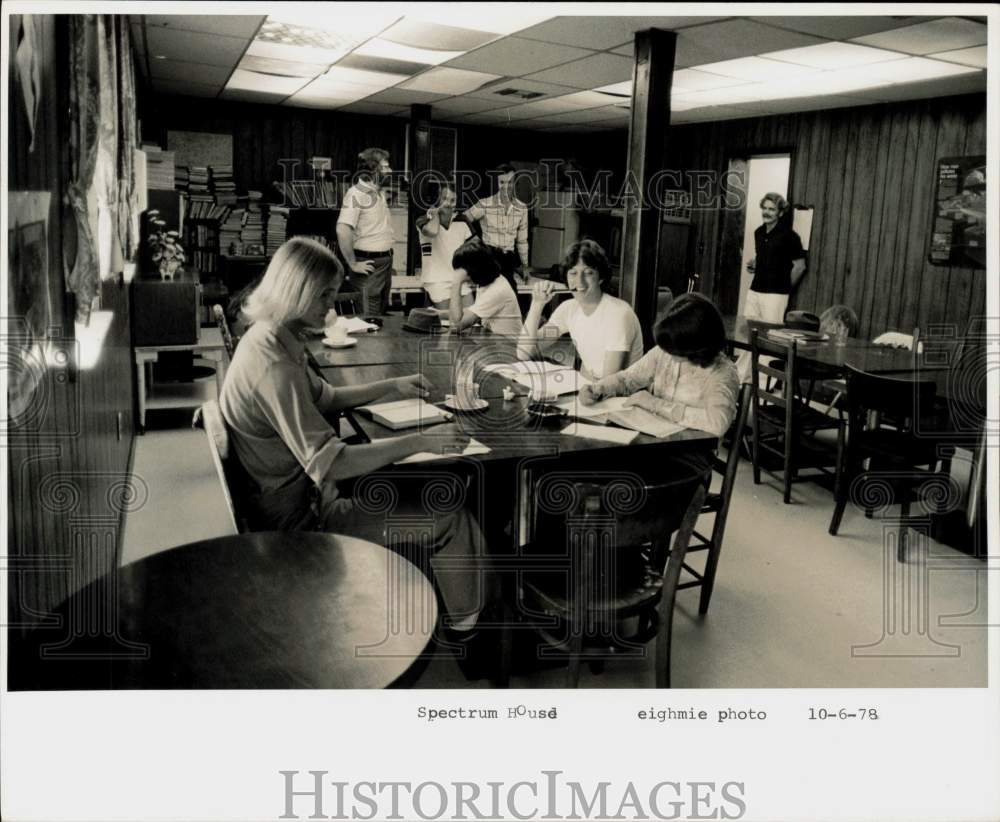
(604, 329)
(495, 303)
(687, 378)
(274, 407)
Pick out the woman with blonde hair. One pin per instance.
(275, 406)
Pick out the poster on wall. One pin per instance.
(958, 234)
(29, 298)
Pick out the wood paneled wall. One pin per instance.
(68, 462)
(869, 172)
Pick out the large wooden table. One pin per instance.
(260, 610)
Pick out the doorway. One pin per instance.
(760, 174)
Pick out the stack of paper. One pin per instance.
(543, 378)
(474, 447)
(405, 413)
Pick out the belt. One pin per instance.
(371, 255)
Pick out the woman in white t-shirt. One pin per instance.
(604, 329)
(440, 238)
(496, 302)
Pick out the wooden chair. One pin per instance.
(602, 555)
(350, 297)
(231, 474)
(227, 337)
(717, 503)
(894, 462)
(784, 423)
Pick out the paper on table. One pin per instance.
(353, 325)
(575, 408)
(553, 383)
(600, 432)
(639, 419)
(474, 447)
(527, 367)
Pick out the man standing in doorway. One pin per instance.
(504, 223)
(364, 229)
(777, 268)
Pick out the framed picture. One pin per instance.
(958, 228)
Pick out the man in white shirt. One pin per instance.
(605, 329)
(364, 229)
(496, 302)
(440, 238)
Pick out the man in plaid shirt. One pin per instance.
(504, 223)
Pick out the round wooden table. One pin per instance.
(257, 610)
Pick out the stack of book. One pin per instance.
(159, 168)
(222, 185)
(181, 178)
(252, 235)
(230, 230)
(277, 228)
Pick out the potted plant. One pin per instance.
(165, 249)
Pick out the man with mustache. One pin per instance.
(440, 237)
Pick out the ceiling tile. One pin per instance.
(914, 69)
(382, 64)
(538, 108)
(427, 35)
(371, 107)
(713, 113)
(307, 99)
(588, 116)
(836, 28)
(520, 83)
(230, 25)
(694, 80)
(483, 117)
(945, 34)
(405, 97)
(734, 38)
(183, 45)
(190, 72)
(498, 18)
(755, 69)
(590, 72)
(464, 105)
(803, 104)
(186, 89)
(626, 50)
(515, 56)
(600, 32)
(976, 56)
(442, 79)
(577, 129)
(371, 79)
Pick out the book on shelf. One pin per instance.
(159, 168)
(405, 413)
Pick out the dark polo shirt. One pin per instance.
(776, 251)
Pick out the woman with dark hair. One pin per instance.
(496, 302)
(687, 378)
(604, 329)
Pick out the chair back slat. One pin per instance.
(230, 472)
(227, 337)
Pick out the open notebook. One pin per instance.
(405, 413)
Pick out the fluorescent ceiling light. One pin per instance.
(624, 88)
(693, 80)
(312, 100)
(386, 48)
(755, 69)
(587, 99)
(255, 81)
(494, 18)
(746, 93)
(296, 54)
(341, 91)
(823, 83)
(444, 80)
(833, 56)
(975, 56)
(360, 77)
(282, 68)
(912, 69)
